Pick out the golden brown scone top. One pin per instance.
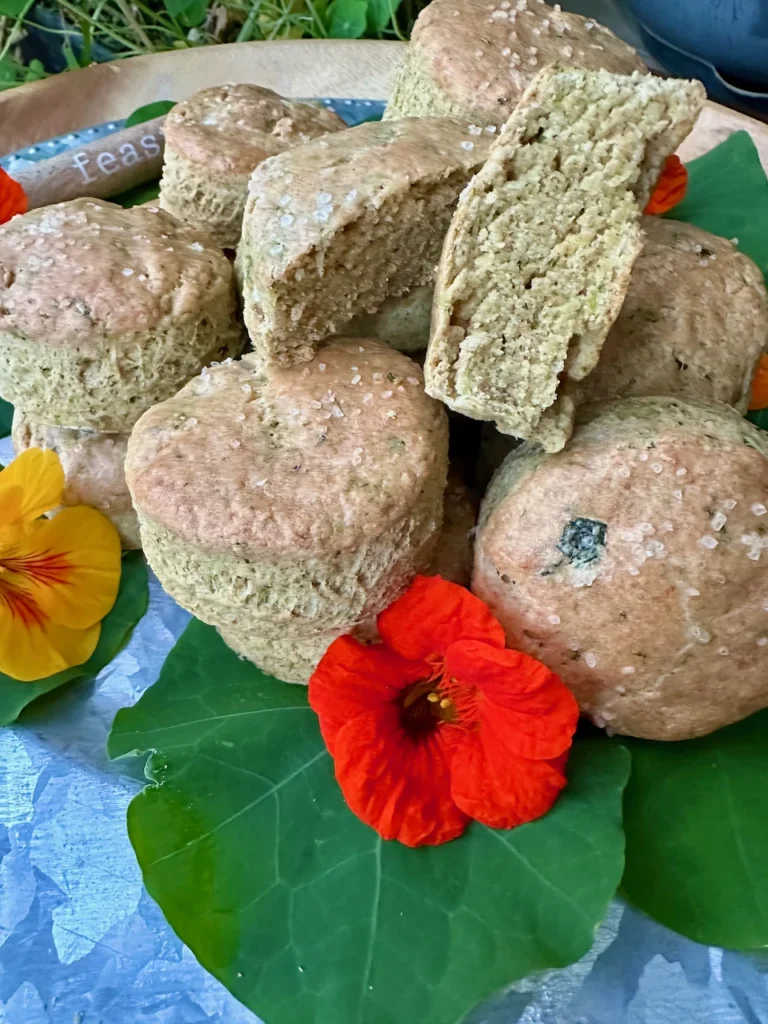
(304, 196)
(321, 457)
(694, 321)
(232, 128)
(86, 270)
(486, 54)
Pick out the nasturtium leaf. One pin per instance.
(347, 19)
(195, 13)
(12, 8)
(300, 909)
(381, 13)
(6, 417)
(728, 195)
(116, 630)
(759, 417)
(148, 112)
(696, 820)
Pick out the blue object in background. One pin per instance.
(724, 43)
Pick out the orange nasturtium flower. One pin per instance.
(13, 198)
(58, 577)
(670, 188)
(759, 397)
(441, 723)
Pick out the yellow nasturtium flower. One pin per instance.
(58, 577)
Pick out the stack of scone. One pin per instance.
(495, 220)
(214, 140)
(103, 313)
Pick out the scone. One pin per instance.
(473, 60)
(633, 563)
(402, 321)
(334, 227)
(106, 311)
(93, 469)
(539, 254)
(455, 548)
(694, 321)
(289, 508)
(214, 140)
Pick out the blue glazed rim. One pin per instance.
(352, 111)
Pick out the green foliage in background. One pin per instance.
(127, 28)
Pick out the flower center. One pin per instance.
(436, 701)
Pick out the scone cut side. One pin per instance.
(540, 251)
(335, 227)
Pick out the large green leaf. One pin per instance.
(696, 819)
(148, 112)
(116, 630)
(301, 910)
(728, 195)
(347, 19)
(380, 14)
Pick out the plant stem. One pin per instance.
(140, 33)
(127, 43)
(9, 41)
(316, 18)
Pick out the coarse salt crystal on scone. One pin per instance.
(629, 562)
(473, 60)
(539, 254)
(291, 507)
(335, 227)
(214, 140)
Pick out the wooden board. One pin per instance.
(299, 68)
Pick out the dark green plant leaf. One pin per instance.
(6, 417)
(380, 14)
(728, 195)
(301, 910)
(696, 819)
(116, 630)
(759, 417)
(347, 19)
(194, 14)
(177, 7)
(12, 8)
(148, 112)
(138, 195)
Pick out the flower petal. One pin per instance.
(398, 786)
(434, 613)
(758, 398)
(31, 646)
(496, 787)
(69, 565)
(528, 702)
(32, 485)
(13, 198)
(670, 188)
(353, 678)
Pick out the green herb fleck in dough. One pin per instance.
(582, 540)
